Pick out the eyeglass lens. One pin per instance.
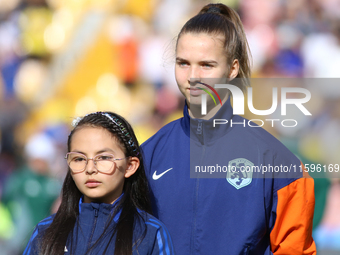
(77, 162)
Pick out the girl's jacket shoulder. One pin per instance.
(91, 221)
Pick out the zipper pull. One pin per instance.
(95, 212)
(247, 250)
(199, 128)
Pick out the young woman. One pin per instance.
(227, 211)
(105, 203)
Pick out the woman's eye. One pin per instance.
(182, 64)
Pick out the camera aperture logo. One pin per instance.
(239, 101)
(213, 90)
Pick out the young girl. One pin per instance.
(230, 211)
(105, 203)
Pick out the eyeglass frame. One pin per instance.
(94, 162)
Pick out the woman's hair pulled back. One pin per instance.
(219, 19)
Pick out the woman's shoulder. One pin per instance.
(169, 129)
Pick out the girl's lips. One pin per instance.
(92, 183)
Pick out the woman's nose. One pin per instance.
(195, 72)
(194, 75)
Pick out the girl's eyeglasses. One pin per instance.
(102, 162)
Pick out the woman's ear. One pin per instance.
(234, 68)
(133, 164)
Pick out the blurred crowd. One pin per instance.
(64, 58)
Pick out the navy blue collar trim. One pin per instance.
(97, 205)
(203, 130)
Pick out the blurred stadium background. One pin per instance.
(64, 58)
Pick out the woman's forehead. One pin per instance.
(216, 37)
(200, 44)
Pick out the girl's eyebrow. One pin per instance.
(105, 150)
(97, 152)
(77, 151)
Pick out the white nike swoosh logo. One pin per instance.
(156, 176)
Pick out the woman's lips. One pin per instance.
(195, 91)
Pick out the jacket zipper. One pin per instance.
(199, 128)
(93, 228)
(199, 131)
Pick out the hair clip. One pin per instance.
(115, 121)
(122, 129)
(75, 121)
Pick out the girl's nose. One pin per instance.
(90, 167)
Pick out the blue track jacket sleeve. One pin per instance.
(162, 240)
(32, 246)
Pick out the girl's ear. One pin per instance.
(235, 66)
(132, 166)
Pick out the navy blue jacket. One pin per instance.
(209, 210)
(91, 222)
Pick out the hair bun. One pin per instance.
(214, 9)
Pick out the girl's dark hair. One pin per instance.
(220, 19)
(136, 194)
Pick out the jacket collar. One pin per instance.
(204, 130)
(102, 207)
